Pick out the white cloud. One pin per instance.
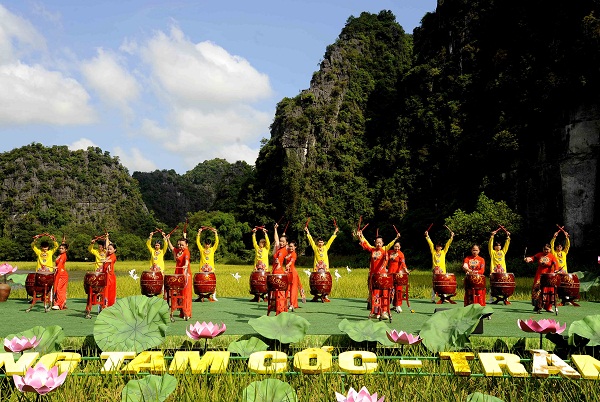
(203, 73)
(32, 94)
(82, 143)
(17, 36)
(110, 80)
(134, 161)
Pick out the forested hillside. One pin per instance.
(486, 97)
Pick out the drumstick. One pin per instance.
(503, 228)
(286, 226)
(335, 223)
(359, 222)
(396, 229)
(561, 228)
(429, 227)
(185, 228)
(171, 232)
(306, 226)
(525, 253)
(448, 228)
(364, 227)
(279, 221)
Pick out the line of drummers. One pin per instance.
(551, 282)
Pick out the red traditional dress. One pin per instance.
(110, 291)
(476, 265)
(397, 263)
(547, 264)
(61, 280)
(278, 299)
(290, 264)
(182, 266)
(378, 265)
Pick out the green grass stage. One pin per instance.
(323, 317)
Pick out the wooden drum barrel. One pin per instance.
(151, 283)
(44, 279)
(382, 281)
(30, 284)
(569, 287)
(174, 281)
(502, 284)
(277, 282)
(258, 283)
(400, 278)
(94, 280)
(444, 284)
(205, 283)
(550, 280)
(474, 281)
(320, 283)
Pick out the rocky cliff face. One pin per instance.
(579, 172)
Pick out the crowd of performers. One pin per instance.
(387, 279)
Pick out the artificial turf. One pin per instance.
(323, 317)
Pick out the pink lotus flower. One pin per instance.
(7, 269)
(543, 326)
(361, 396)
(40, 379)
(204, 330)
(17, 345)
(403, 338)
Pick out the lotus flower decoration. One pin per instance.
(40, 380)
(544, 326)
(17, 345)
(6, 269)
(206, 331)
(403, 338)
(362, 396)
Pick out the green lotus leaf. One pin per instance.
(285, 327)
(18, 278)
(246, 347)
(450, 329)
(588, 328)
(269, 390)
(132, 324)
(586, 280)
(479, 397)
(150, 388)
(49, 337)
(366, 330)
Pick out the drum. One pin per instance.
(474, 281)
(151, 283)
(43, 280)
(174, 281)
(550, 280)
(258, 283)
(444, 284)
(94, 280)
(400, 278)
(277, 282)
(205, 283)
(502, 284)
(382, 281)
(569, 287)
(320, 283)
(30, 283)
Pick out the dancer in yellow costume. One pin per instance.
(438, 256)
(44, 253)
(561, 253)
(157, 260)
(100, 253)
(320, 249)
(207, 254)
(498, 253)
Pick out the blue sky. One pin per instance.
(164, 84)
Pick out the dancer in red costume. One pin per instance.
(547, 264)
(472, 265)
(278, 299)
(108, 266)
(290, 267)
(61, 278)
(182, 266)
(378, 265)
(397, 263)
